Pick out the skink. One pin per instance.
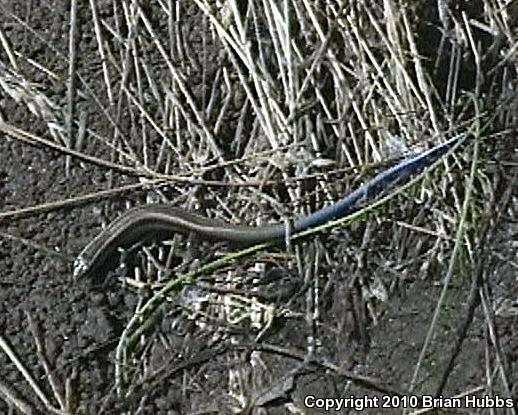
(159, 222)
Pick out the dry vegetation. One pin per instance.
(262, 112)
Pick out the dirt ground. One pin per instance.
(187, 367)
